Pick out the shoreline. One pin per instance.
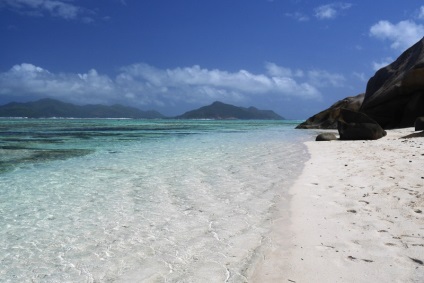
(356, 215)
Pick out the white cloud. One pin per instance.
(212, 83)
(143, 84)
(277, 71)
(421, 13)
(298, 16)
(321, 78)
(378, 65)
(331, 11)
(401, 35)
(57, 8)
(360, 76)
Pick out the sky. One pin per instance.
(296, 57)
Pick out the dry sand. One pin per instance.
(356, 215)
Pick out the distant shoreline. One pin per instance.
(53, 108)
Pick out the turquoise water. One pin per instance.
(140, 200)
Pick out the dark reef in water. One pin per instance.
(18, 156)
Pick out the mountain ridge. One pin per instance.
(51, 108)
(48, 108)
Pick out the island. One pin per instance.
(219, 110)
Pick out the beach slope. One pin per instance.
(356, 215)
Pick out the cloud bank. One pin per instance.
(142, 84)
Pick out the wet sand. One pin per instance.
(356, 215)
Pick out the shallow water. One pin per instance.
(140, 200)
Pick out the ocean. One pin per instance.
(121, 200)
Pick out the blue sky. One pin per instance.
(296, 57)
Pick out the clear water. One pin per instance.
(140, 200)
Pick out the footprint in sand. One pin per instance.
(325, 248)
(352, 258)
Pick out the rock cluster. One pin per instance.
(394, 98)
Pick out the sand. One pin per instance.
(356, 215)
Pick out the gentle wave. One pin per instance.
(133, 200)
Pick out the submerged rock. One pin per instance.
(13, 157)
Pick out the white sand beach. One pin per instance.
(356, 215)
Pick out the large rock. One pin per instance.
(326, 137)
(327, 119)
(419, 124)
(358, 126)
(395, 94)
